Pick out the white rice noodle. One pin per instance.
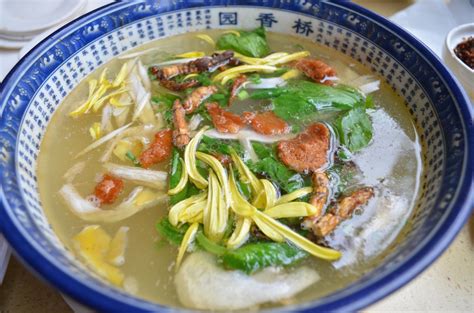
(137, 54)
(195, 122)
(75, 170)
(142, 130)
(106, 120)
(267, 83)
(247, 145)
(247, 134)
(103, 140)
(176, 61)
(140, 176)
(88, 212)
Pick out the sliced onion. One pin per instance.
(247, 145)
(328, 78)
(370, 87)
(247, 134)
(142, 72)
(90, 213)
(137, 54)
(176, 61)
(106, 121)
(103, 140)
(75, 170)
(150, 178)
(142, 130)
(195, 122)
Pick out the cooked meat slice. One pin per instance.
(326, 224)
(268, 123)
(175, 86)
(348, 204)
(315, 69)
(159, 150)
(108, 189)
(320, 192)
(224, 121)
(194, 100)
(236, 85)
(343, 210)
(205, 64)
(181, 131)
(307, 152)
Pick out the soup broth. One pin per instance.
(390, 164)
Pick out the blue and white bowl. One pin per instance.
(36, 86)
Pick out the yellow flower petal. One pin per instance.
(182, 181)
(188, 239)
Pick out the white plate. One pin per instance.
(23, 19)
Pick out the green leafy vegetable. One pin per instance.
(129, 155)
(256, 256)
(300, 99)
(209, 245)
(175, 175)
(252, 44)
(354, 129)
(173, 234)
(254, 78)
(163, 103)
(218, 146)
(269, 165)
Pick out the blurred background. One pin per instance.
(448, 285)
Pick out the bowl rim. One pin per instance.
(381, 287)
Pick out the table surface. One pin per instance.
(447, 285)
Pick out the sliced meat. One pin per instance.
(326, 224)
(236, 86)
(175, 86)
(108, 189)
(181, 130)
(358, 198)
(194, 100)
(268, 123)
(159, 150)
(205, 64)
(307, 152)
(316, 70)
(224, 121)
(343, 210)
(320, 192)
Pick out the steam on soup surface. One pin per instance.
(230, 170)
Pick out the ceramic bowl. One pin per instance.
(464, 73)
(36, 86)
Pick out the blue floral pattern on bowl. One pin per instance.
(34, 89)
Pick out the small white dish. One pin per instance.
(24, 19)
(463, 72)
(12, 44)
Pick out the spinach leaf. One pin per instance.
(354, 129)
(268, 165)
(256, 256)
(208, 245)
(300, 99)
(303, 98)
(173, 234)
(252, 44)
(163, 103)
